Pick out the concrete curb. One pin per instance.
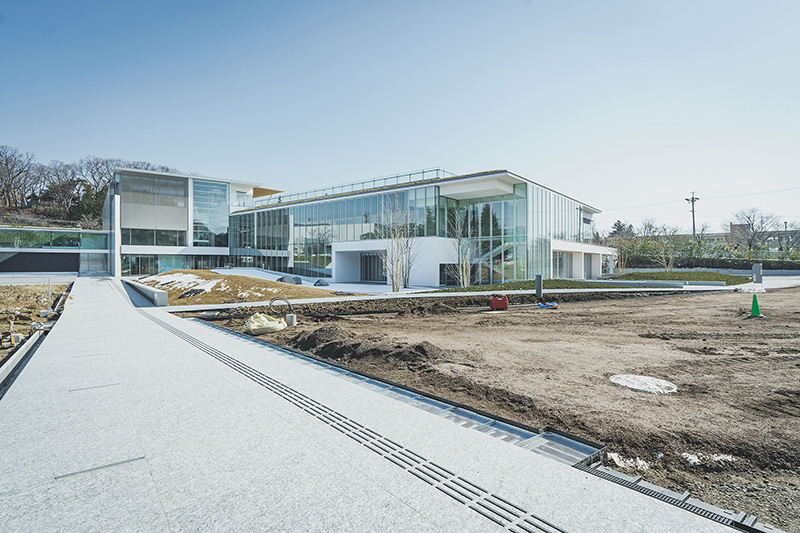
(11, 363)
(157, 296)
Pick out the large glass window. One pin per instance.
(143, 237)
(211, 213)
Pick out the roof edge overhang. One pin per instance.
(185, 176)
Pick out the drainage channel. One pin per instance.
(560, 446)
(549, 442)
(491, 506)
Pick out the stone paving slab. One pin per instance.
(118, 424)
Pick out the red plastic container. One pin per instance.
(499, 302)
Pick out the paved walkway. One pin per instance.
(135, 420)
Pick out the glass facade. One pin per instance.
(148, 264)
(153, 237)
(47, 238)
(211, 212)
(299, 239)
(497, 229)
(511, 234)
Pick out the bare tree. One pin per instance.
(666, 238)
(622, 245)
(465, 249)
(399, 231)
(64, 187)
(17, 178)
(97, 172)
(394, 231)
(410, 256)
(752, 228)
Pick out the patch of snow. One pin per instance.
(691, 458)
(644, 383)
(184, 282)
(695, 459)
(628, 464)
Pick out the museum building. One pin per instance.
(516, 227)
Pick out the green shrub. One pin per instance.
(690, 275)
(530, 285)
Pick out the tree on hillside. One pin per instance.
(62, 185)
(752, 228)
(97, 172)
(17, 177)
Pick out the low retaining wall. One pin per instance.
(157, 296)
(731, 271)
(11, 363)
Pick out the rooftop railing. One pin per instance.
(427, 174)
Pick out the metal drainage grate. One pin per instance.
(738, 523)
(493, 507)
(561, 448)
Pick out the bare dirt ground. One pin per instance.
(21, 304)
(730, 435)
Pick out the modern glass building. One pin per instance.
(160, 222)
(516, 227)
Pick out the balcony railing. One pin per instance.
(356, 186)
(76, 239)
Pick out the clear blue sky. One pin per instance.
(620, 104)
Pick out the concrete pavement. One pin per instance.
(131, 419)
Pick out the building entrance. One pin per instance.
(372, 268)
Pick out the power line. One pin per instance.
(751, 193)
(707, 198)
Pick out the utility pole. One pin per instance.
(785, 236)
(692, 200)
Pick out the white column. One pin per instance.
(577, 265)
(597, 265)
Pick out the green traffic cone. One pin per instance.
(755, 312)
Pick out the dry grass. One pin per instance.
(221, 288)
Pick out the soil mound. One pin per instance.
(311, 342)
(332, 342)
(429, 309)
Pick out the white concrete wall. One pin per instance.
(346, 266)
(430, 253)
